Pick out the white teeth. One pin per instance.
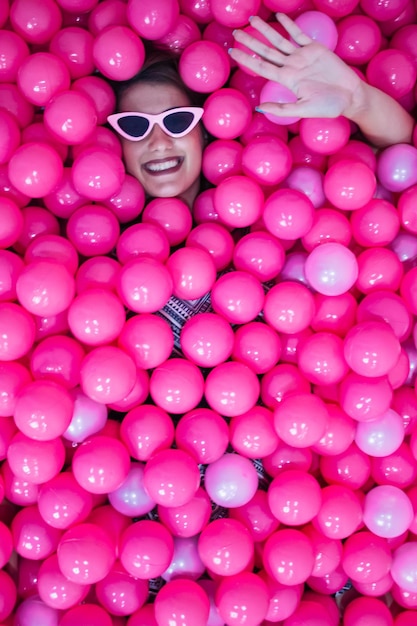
(160, 167)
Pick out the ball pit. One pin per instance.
(232, 438)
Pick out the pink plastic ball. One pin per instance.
(62, 502)
(204, 66)
(227, 112)
(107, 374)
(43, 410)
(308, 181)
(172, 215)
(12, 225)
(54, 248)
(87, 419)
(207, 339)
(75, 47)
(120, 593)
(327, 552)
(136, 395)
(143, 239)
(294, 497)
(403, 567)
(107, 13)
(93, 230)
(325, 136)
(297, 425)
(351, 468)
(193, 272)
(364, 398)
(260, 254)
(146, 549)
(36, 25)
(8, 595)
(339, 433)
(63, 199)
(373, 610)
(340, 514)
(87, 614)
(331, 269)
(147, 339)
(55, 589)
(118, 52)
(35, 461)
(41, 76)
(189, 519)
(388, 511)
(35, 169)
(231, 388)
(231, 481)
(359, 39)
(33, 608)
(176, 385)
(226, 547)
(289, 307)
(396, 167)
(171, 477)
(319, 26)
(152, 22)
(17, 490)
(32, 537)
(97, 173)
(131, 498)
(70, 116)
(389, 11)
(16, 104)
(14, 51)
(404, 39)
(236, 15)
(321, 359)
(288, 214)
(154, 290)
(375, 224)
(275, 92)
(186, 562)
(216, 240)
(258, 346)
(238, 297)
(349, 185)
(146, 429)
(85, 554)
(92, 325)
(238, 201)
(18, 331)
(267, 159)
(45, 288)
(256, 515)
(371, 349)
(183, 33)
(392, 71)
(378, 268)
(183, 600)
(36, 222)
(222, 158)
(242, 599)
(366, 557)
(288, 557)
(14, 377)
(11, 135)
(100, 464)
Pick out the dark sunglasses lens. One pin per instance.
(178, 122)
(134, 125)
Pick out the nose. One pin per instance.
(158, 139)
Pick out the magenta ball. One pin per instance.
(364, 398)
(186, 562)
(221, 158)
(41, 76)
(93, 326)
(237, 15)
(14, 51)
(388, 511)
(38, 24)
(238, 297)
(242, 598)
(183, 600)
(275, 92)
(331, 269)
(183, 33)
(107, 374)
(152, 22)
(12, 226)
(227, 112)
(172, 215)
(146, 549)
(204, 66)
(35, 169)
(289, 307)
(11, 135)
(32, 537)
(146, 429)
(18, 331)
(349, 185)
(188, 519)
(294, 497)
(8, 595)
(288, 556)
(62, 502)
(171, 478)
(359, 39)
(371, 349)
(239, 201)
(127, 204)
(309, 181)
(396, 167)
(93, 230)
(120, 593)
(177, 385)
(143, 239)
(267, 159)
(392, 71)
(45, 288)
(193, 272)
(203, 434)
(154, 289)
(340, 514)
(14, 377)
(214, 238)
(148, 339)
(226, 547)
(101, 464)
(231, 481)
(256, 515)
(118, 52)
(97, 173)
(75, 47)
(288, 214)
(55, 589)
(35, 461)
(207, 339)
(88, 614)
(372, 610)
(321, 359)
(70, 116)
(366, 557)
(257, 345)
(298, 426)
(261, 254)
(325, 136)
(231, 388)
(378, 222)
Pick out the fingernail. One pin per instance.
(229, 50)
(259, 110)
(234, 32)
(250, 18)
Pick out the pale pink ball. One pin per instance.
(331, 269)
(388, 511)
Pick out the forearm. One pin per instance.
(381, 119)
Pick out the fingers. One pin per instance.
(259, 66)
(293, 30)
(278, 41)
(266, 52)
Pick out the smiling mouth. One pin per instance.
(163, 166)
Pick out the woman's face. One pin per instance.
(166, 166)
